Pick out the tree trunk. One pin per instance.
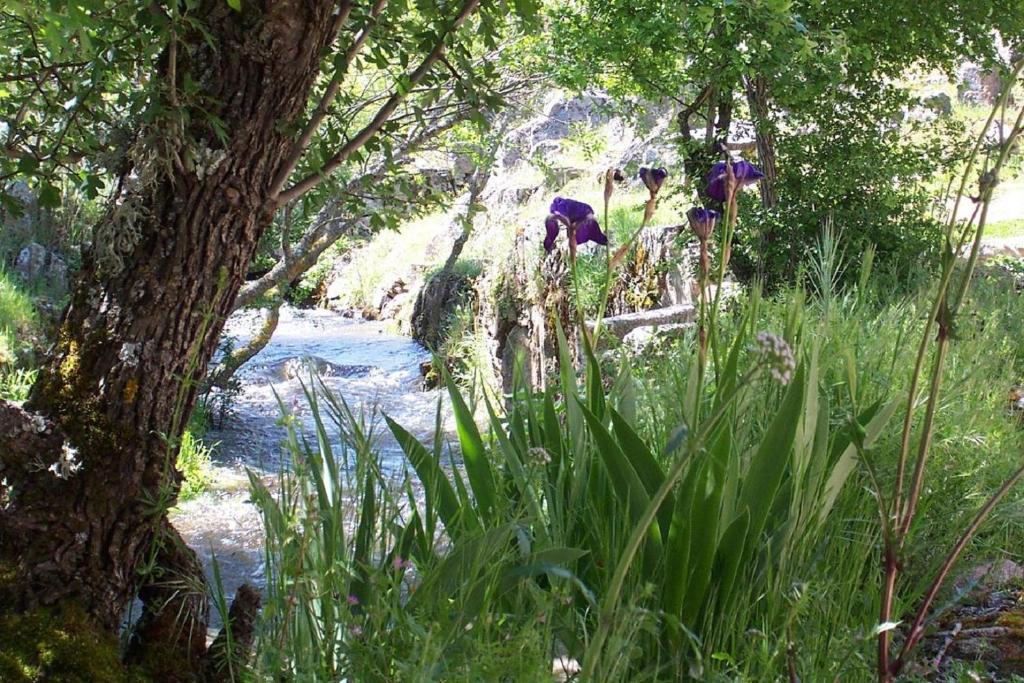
(757, 98)
(89, 462)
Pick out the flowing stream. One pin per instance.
(358, 361)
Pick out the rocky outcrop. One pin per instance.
(435, 305)
(36, 262)
(532, 296)
(19, 213)
(977, 85)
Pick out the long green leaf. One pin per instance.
(731, 551)
(440, 496)
(847, 461)
(644, 463)
(474, 454)
(677, 551)
(705, 516)
(773, 456)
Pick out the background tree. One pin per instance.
(820, 83)
(200, 118)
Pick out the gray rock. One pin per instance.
(621, 325)
(993, 574)
(392, 309)
(21, 225)
(642, 337)
(57, 272)
(32, 261)
(35, 262)
(301, 366)
(940, 103)
(436, 303)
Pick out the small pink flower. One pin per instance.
(352, 600)
(356, 631)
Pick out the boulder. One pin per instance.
(36, 262)
(32, 261)
(301, 366)
(18, 215)
(641, 338)
(435, 304)
(940, 103)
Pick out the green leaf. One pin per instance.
(474, 454)
(623, 477)
(731, 550)
(440, 496)
(49, 196)
(705, 516)
(235, 5)
(677, 551)
(514, 462)
(773, 456)
(646, 466)
(847, 461)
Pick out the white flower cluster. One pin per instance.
(777, 354)
(540, 456)
(68, 463)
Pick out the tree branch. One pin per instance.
(329, 93)
(384, 113)
(328, 229)
(229, 366)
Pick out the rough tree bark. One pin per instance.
(757, 99)
(87, 462)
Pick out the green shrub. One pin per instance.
(19, 322)
(873, 180)
(194, 456)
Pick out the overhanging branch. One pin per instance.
(383, 114)
(330, 92)
(328, 229)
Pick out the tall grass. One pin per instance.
(19, 331)
(503, 562)
(831, 594)
(360, 583)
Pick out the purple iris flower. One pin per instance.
(653, 178)
(702, 221)
(746, 174)
(578, 217)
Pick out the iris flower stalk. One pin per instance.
(724, 181)
(611, 176)
(653, 179)
(898, 513)
(702, 223)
